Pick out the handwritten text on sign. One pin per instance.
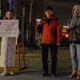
(9, 28)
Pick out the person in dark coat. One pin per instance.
(50, 38)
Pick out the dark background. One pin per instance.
(62, 8)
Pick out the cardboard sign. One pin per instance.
(9, 28)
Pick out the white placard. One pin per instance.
(64, 26)
(9, 28)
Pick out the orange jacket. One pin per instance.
(48, 33)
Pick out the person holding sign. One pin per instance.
(7, 50)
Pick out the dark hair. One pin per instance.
(6, 12)
(49, 8)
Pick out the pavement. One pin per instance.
(33, 65)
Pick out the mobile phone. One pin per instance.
(38, 20)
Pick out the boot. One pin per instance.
(78, 74)
(73, 74)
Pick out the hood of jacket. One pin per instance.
(78, 7)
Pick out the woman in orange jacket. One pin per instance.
(51, 37)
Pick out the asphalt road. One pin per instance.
(34, 67)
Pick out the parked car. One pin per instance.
(64, 37)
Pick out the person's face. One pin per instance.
(48, 13)
(8, 15)
(76, 12)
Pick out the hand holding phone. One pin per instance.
(38, 21)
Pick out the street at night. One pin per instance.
(25, 37)
(34, 66)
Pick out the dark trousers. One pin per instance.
(53, 50)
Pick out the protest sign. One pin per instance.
(9, 28)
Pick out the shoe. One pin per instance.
(44, 75)
(78, 75)
(11, 73)
(53, 75)
(4, 73)
(73, 74)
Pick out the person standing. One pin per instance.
(7, 50)
(50, 38)
(74, 30)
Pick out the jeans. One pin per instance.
(75, 56)
(53, 50)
